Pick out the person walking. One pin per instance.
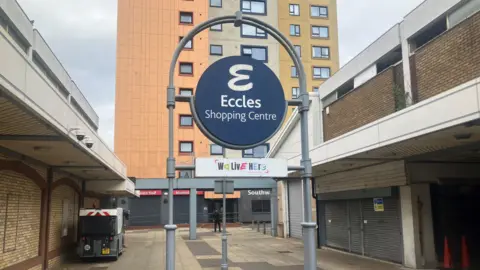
(216, 220)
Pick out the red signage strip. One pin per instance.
(185, 192)
(180, 192)
(151, 192)
(158, 192)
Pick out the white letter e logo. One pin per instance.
(240, 77)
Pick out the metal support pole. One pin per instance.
(273, 211)
(264, 227)
(258, 226)
(193, 214)
(170, 227)
(310, 253)
(224, 265)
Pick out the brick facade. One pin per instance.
(62, 236)
(23, 227)
(20, 206)
(449, 60)
(365, 104)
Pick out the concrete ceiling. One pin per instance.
(456, 144)
(23, 134)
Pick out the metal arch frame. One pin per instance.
(310, 262)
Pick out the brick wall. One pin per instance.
(57, 242)
(449, 60)
(21, 216)
(60, 195)
(367, 103)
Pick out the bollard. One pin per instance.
(253, 224)
(264, 228)
(258, 226)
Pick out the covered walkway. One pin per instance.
(52, 159)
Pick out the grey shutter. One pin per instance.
(355, 212)
(181, 213)
(382, 230)
(295, 209)
(145, 211)
(336, 219)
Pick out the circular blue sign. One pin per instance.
(240, 102)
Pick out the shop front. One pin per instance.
(366, 222)
(254, 205)
(151, 208)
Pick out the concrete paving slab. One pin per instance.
(247, 251)
(199, 248)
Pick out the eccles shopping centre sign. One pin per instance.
(239, 102)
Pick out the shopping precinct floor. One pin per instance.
(248, 250)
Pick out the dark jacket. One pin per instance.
(216, 216)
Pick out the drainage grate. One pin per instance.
(98, 268)
(284, 251)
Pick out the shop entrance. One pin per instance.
(232, 209)
(456, 215)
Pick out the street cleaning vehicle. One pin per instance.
(102, 233)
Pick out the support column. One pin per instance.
(45, 218)
(81, 201)
(193, 214)
(417, 225)
(82, 196)
(407, 71)
(274, 211)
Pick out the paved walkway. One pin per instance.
(247, 250)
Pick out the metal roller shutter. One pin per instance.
(355, 216)
(145, 211)
(336, 218)
(382, 230)
(181, 213)
(295, 208)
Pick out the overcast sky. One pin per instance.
(82, 34)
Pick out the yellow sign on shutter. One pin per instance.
(212, 195)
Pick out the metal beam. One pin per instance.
(206, 183)
(183, 98)
(294, 102)
(33, 138)
(184, 167)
